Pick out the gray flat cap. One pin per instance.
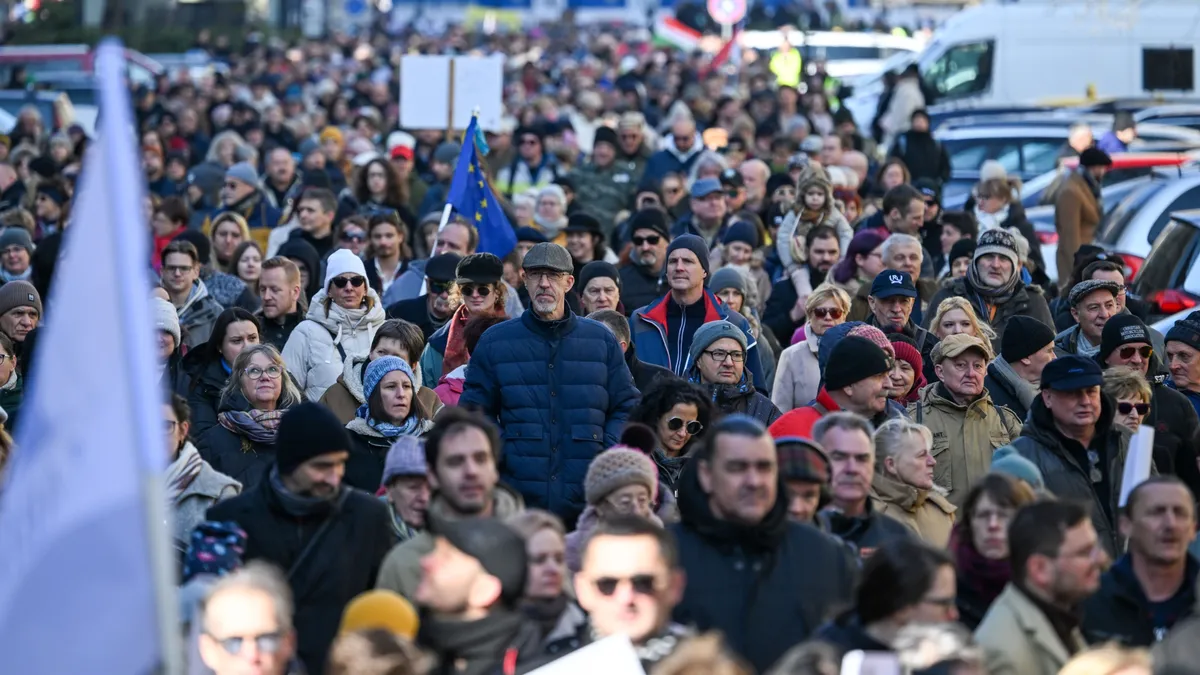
(1086, 288)
(548, 256)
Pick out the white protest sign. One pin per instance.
(427, 82)
(614, 655)
(1137, 461)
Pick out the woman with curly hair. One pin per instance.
(377, 186)
(678, 412)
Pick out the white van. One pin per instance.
(1048, 51)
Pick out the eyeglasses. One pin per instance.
(693, 427)
(536, 276)
(1125, 407)
(628, 503)
(833, 313)
(641, 241)
(719, 355)
(176, 269)
(438, 287)
(13, 250)
(642, 584)
(272, 372)
(732, 194)
(169, 425)
(474, 289)
(353, 236)
(1128, 352)
(267, 643)
(944, 603)
(356, 282)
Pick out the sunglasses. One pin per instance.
(1128, 352)
(472, 289)
(827, 313)
(693, 427)
(267, 643)
(642, 584)
(652, 240)
(438, 287)
(353, 236)
(1124, 407)
(356, 282)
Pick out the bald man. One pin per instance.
(755, 173)
(12, 190)
(857, 162)
(680, 151)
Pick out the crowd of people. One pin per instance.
(753, 406)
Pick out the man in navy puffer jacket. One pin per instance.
(558, 385)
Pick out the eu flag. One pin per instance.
(472, 197)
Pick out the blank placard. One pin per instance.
(425, 91)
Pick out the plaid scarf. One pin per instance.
(256, 426)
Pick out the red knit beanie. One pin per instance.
(906, 351)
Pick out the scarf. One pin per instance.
(410, 427)
(456, 340)
(987, 295)
(301, 506)
(985, 576)
(991, 221)
(182, 472)
(257, 426)
(545, 612)
(1024, 391)
(24, 276)
(1093, 185)
(403, 530)
(551, 228)
(1083, 347)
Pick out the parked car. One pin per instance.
(80, 58)
(1132, 227)
(54, 106)
(1170, 279)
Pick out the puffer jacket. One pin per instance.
(318, 348)
(1026, 301)
(561, 393)
(766, 587)
(1063, 463)
(344, 397)
(401, 569)
(798, 376)
(964, 437)
(926, 512)
(648, 330)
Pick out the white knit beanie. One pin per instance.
(341, 262)
(166, 317)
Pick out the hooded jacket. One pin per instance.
(1063, 463)
(766, 587)
(303, 251)
(864, 533)
(208, 377)
(1008, 389)
(1026, 300)
(1119, 610)
(401, 569)
(648, 331)
(964, 436)
(320, 345)
(345, 395)
(926, 512)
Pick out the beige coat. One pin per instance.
(1017, 638)
(1076, 217)
(925, 512)
(344, 397)
(964, 437)
(401, 569)
(798, 375)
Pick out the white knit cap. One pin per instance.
(166, 317)
(992, 170)
(343, 261)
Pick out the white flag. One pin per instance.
(77, 567)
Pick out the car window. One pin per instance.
(1114, 222)
(1170, 260)
(1040, 156)
(1187, 200)
(1189, 121)
(1115, 176)
(1008, 154)
(963, 70)
(966, 155)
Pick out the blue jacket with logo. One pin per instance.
(561, 393)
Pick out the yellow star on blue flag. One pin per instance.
(469, 195)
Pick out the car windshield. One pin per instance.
(1115, 222)
(1172, 256)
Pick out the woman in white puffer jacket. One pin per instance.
(341, 322)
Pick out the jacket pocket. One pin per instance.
(583, 434)
(524, 432)
(943, 470)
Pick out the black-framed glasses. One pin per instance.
(476, 289)
(356, 282)
(651, 239)
(267, 643)
(1127, 352)
(1125, 407)
(693, 427)
(719, 355)
(642, 584)
(273, 372)
(439, 287)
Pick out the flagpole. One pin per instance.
(162, 565)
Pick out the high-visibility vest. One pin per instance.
(786, 67)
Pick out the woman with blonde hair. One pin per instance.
(1132, 394)
(903, 486)
(547, 600)
(996, 204)
(226, 232)
(957, 315)
(1109, 659)
(798, 376)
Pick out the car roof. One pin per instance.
(1190, 216)
(1137, 160)
(987, 132)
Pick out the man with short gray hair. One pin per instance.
(643, 373)
(246, 623)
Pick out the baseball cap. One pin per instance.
(705, 187)
(953, 345)
(890, 283)
(1071, 372)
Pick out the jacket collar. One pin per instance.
(656, 312)
(551, 329)
(1034, 623)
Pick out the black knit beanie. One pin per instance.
(1121, 330)
(854, 359)
(306, 431)
(1023, 337)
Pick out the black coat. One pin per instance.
(277, 333)
(643, 373)
(343, 564)
(204, 392)
(1175, 429)
(1119, 611)
(864, 533)
(924, 339)
(923, 155)
(847, 634)
(638, 288)
(233, 454)
(777, 315)
(766, 588)
(1064, 466)
(1003, 392)
(173, 379)
(481, 647)
(415, 311)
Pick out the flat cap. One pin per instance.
(548, 256)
